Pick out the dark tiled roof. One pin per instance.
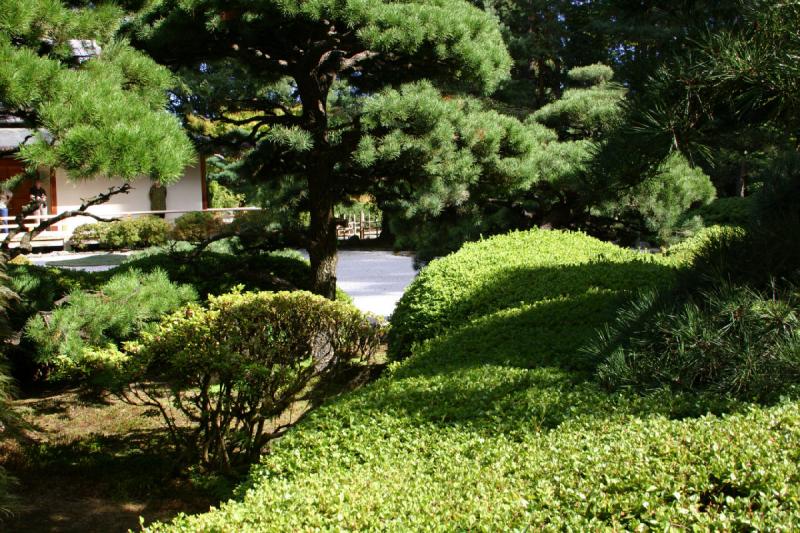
(12, 138)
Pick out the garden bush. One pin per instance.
(135, 232)
(728, 211)
(197, 226)
(39, 287)
(80, 336)
(221, 196)
(234, 367)
(487, 427)
(512, 270)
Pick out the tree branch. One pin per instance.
(356, 58)
(28, 210)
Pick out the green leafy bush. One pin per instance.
(513, 270)
(236, 366)
(730, 211)
(85, 235)
(196, 226)
(79, 336)
(137, 232)
(221, 196)
(487, 427)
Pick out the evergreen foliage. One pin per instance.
(95, 116)
(79, 337)
(303, 76)
(733, 340)
(8, 419)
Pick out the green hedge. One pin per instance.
(487, 427)
(512, 270)
(137, 232)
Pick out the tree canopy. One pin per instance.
(299, 78)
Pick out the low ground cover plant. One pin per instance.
(237, 365)
(498, 423)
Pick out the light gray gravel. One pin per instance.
(375, 279)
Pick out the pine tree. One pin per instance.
(98, 105)
(304, 74)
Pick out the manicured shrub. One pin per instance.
(135, 232)
(19, 260)
(79, 336)
(85, 235)
(153, 231)
(486, 426)
(221, 196)
(233, 368)
(196, 226)
(512, 270)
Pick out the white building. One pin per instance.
(188, 194)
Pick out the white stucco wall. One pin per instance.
(185, 195)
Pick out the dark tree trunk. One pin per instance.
(322, 241)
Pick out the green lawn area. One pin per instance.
(495, 422)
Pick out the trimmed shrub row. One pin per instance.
(488, 426)
(514, 270)
(146, 231)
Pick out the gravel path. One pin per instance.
(375, 279)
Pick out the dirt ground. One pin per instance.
(93, 464)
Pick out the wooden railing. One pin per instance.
(363, 226)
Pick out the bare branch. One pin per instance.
(356, 58)
(28, 210)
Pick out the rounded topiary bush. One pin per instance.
(197, 226)
(235, 366)
(511, 270)
(131, 232)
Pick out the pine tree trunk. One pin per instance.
(322, 242)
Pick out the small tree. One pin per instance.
(301, 73)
